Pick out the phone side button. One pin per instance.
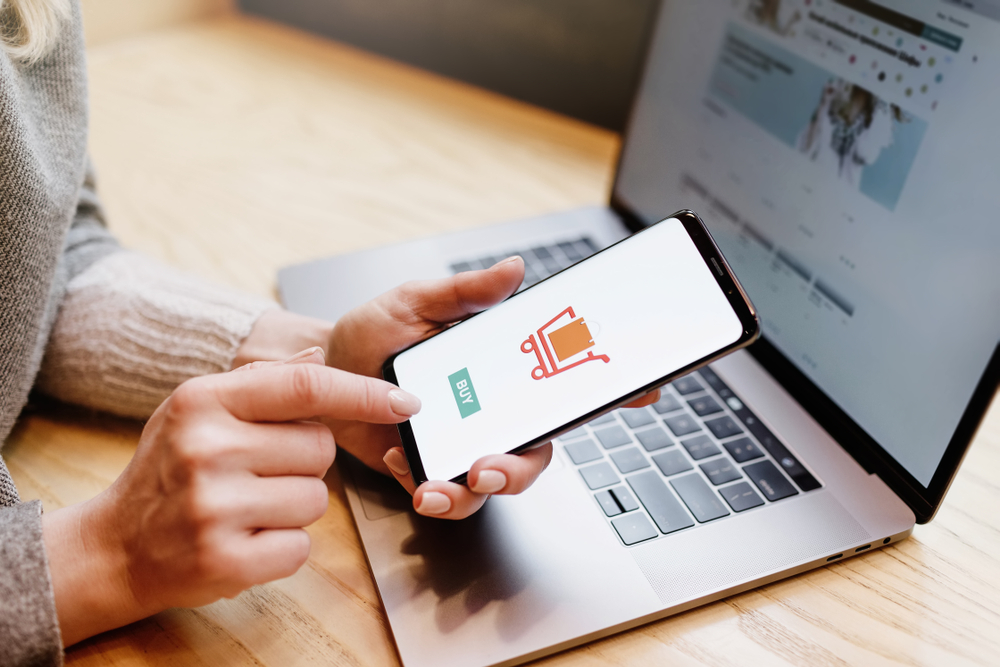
(634, 528)
(599, 475)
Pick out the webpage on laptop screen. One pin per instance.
(846, 156)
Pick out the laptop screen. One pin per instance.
(846, 156)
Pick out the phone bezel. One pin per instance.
(718, 267)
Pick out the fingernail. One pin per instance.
(490, 481)
(396, 460)
(433, 502)
(305, 354)
(512, 258)
(403, 403)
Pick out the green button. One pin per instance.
(465, 393)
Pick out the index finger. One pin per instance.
(290, 392)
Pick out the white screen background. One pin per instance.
(652, 306)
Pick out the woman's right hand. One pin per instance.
(227, 473)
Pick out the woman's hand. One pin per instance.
(368, 335)
(364, 338)
(227, 473)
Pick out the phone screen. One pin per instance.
(575, 343)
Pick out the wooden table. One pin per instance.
(230, 148)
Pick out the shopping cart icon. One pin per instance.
(562, 344)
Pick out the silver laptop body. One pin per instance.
(826, 186)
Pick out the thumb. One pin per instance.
(451, 299)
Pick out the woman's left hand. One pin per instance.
(364, 338)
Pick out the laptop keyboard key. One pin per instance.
(530, 277)
(700, 499)
(769, 480)
(629, 460)
(572, 254)
(682, 425)
(654, 438)
(625, 499)
(634, 528)
(587, 246)
(583, 451)
(612, 436)
(667, 403)
(603, 419)
(666, 512)
(687, 385)
(599, 475)
(671, 463)
(741, 497)
(574, 434)
(743, 450)
(461, 267)
(704, 406)
(720, 470)
(723, 427)
(700, 447)
(608, 503)
(774, 447)
(636, 417)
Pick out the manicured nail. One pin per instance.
(403, 403)
(433, 502)
(304, 354)
(490, 481)
(396, 460)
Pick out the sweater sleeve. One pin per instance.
(130, 330)
(28, 625)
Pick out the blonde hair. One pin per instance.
(29, 28)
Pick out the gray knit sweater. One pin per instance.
(80, 318)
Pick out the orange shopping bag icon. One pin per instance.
(569, 340)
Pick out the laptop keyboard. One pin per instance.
(697, 455)
(540, 262)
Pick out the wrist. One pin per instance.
(89, 568)
(278, 334)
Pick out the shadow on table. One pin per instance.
(468, 565)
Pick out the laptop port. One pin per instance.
(834, 557)
(867, 546)
(886, 540)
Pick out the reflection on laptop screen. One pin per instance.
(846, 156)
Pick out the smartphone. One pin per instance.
(580, 343)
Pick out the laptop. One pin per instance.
(844, 155)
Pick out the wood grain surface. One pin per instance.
(232, 147)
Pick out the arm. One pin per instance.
(129, 329)
(86, 327)
(29, 634)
